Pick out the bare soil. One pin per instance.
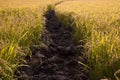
(58, 57)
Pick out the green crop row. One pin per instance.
(97, 24)
(19, 29)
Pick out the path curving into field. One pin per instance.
(58, 57)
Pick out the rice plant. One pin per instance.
(97, 23)
(21, 25)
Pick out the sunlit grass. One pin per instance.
(25, 3)
(96, 22)
(19, 28)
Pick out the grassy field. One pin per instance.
(25, 4)
(21, 24)
(97, 23)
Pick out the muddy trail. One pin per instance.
(58, 58)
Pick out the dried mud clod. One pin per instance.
(58, 58)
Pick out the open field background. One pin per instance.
(25, 4)
(96, 23)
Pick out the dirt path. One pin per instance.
(58, 58)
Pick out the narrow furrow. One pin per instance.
(58, 57)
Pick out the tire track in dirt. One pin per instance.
(58, 57)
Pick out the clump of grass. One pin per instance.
(50, 7)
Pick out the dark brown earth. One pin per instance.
(58, 57)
